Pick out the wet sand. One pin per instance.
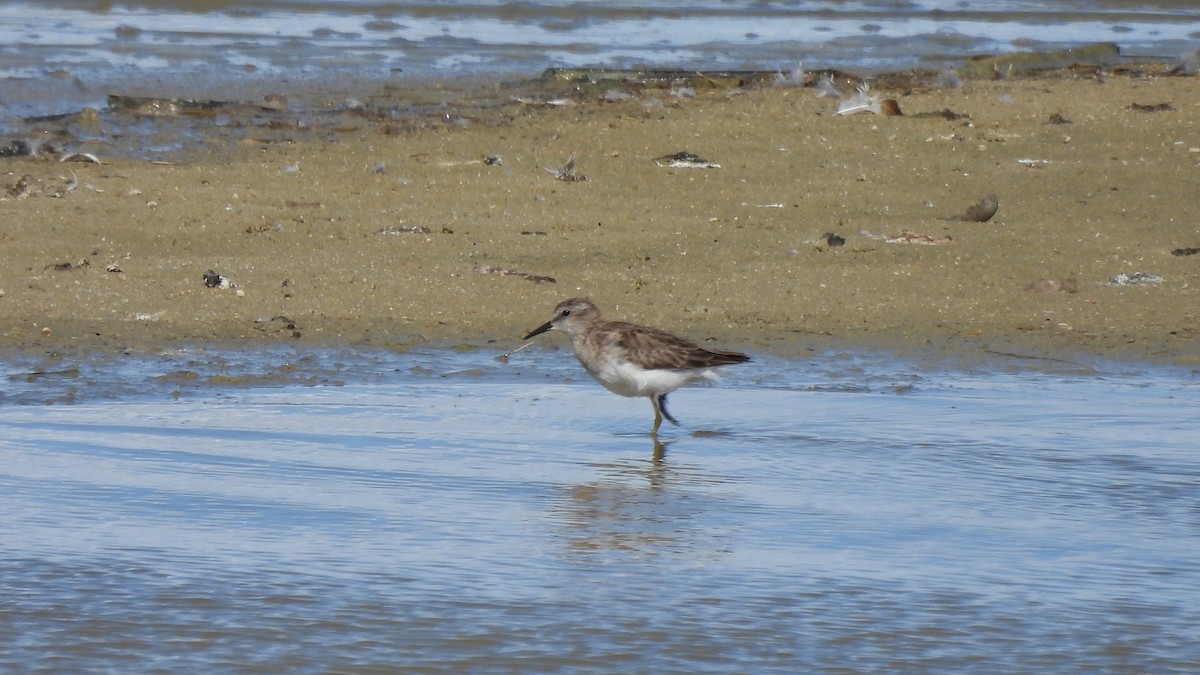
(390, 235)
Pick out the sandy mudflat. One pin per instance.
(375, 234)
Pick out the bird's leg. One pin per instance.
(660, 411)
(662, 405)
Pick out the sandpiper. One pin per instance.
(633, 360)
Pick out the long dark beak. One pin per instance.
(539, 330)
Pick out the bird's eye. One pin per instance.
(565, 313)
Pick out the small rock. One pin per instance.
(831, 240)
(214, 280)
(25, 186)
(983, 211)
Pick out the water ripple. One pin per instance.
(1030, 521)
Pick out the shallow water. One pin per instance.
(58, 57)
(222, 73)
(442, 511)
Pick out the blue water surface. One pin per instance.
(443, 511)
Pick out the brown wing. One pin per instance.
(653, 348)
